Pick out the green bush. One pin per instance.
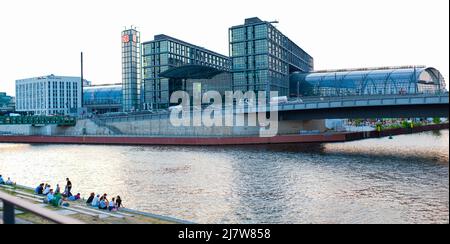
(436, 120)
(418, 124)
(406, 125)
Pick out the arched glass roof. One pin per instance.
(370, 81)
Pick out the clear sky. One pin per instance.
(42, 37)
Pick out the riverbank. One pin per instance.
(214, 141)
(80, 211)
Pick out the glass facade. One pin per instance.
(6, 103)
(263, 58)
(164, 53)
(103, 95)
(103, 99)
(131, 69)
(383, 81)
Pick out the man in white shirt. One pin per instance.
(46, 190)
(96, 200)
(9, 182)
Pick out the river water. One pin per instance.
(404, 180)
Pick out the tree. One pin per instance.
(436, 120)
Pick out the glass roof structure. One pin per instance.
(108, 94)
(390, 80)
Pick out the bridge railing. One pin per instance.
(10, 203)
(365, 101)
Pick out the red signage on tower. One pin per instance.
(125, 38)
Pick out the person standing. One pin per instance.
(68, 188)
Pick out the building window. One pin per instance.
(238, 34)
(239, 63)
(261, 46)
(261, 31)
(238, 49)
(164, 46)
(261, 61)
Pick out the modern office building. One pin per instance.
(263, 57)
(368, 81)
(7, 103)
(101, 99)
(49, 95)
(131, 69)
(185, 60)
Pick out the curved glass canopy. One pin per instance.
(409, 80)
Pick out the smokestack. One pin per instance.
(82, 80)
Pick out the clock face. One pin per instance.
(134, 38)
(125, 38)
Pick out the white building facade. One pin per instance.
(49, 95)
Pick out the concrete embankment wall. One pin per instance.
(157, 127)
(163, 127)
(83, 127)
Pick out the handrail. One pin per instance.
(10, 202)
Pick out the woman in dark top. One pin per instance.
(119, 202)
(90, 199)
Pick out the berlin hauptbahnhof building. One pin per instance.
(261, 58)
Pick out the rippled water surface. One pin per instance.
(404, 180)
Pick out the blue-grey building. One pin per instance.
(263, 57)
(165, 53)
(131, 69)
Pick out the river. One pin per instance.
(403, 180)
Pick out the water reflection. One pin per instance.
(404, 180)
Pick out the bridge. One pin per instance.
(38, 120)
(352, 107)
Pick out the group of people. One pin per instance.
(54, 196)
(7, 182)
(101, 202)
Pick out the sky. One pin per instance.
(46, 37)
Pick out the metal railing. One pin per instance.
(367, 101)
(11, 202)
